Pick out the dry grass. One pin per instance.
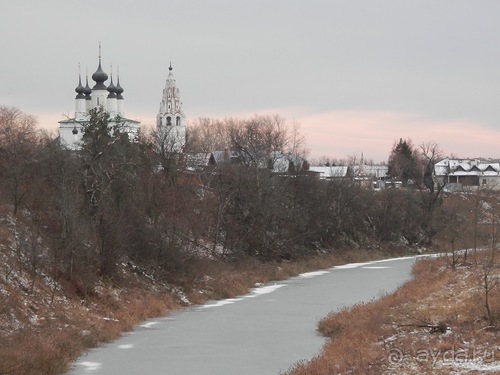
(385, 337)
(65, 329)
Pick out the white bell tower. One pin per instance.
(171, 120)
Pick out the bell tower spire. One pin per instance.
(171, 120)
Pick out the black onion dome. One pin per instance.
(99, 77)
(80, 90)
(112, 89)
(118, 90)
(87, 90)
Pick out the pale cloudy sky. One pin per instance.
(356, 74)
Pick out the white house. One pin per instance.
(373, 172)
(459, 173)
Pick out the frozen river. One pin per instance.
(261, 333)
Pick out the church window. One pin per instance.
(169, 120)
(178, 121)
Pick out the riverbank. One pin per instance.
(46, 325)
(437, 323)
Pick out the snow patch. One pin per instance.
(221, 303)
(110, 319)
(309, 275)
(264, 290)
(181, 295)
(89, 366)
(474, 365)
(148, 324)
(254, 293)
(350, 265)
(400, 258)
(126, 346)
(367, 264)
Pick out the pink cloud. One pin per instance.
(341, 134)
(373, 133)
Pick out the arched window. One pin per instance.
(169, 120)
(178, 121)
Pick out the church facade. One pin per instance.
(109, 97)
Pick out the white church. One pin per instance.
(170, 121)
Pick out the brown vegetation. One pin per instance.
(402, 333)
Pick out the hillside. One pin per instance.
(444, 321)
(46, 320)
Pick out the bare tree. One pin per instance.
(206, 135)
(164, 144)
(430, 194)
(259, 140)
(450, 223)
(430, 153)
(19, 144)
(297, 150)
(489, 276)
(490, 280)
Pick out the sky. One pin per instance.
(357, 75)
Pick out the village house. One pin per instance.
(368, 176)
(276, 162)
(458, 174)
